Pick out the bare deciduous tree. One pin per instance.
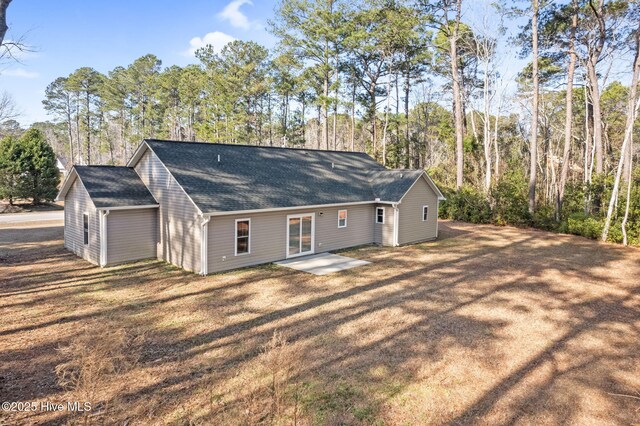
(534, 110)
(632, 114)
(569, 111)
(8, 109)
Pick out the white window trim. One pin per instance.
(383, 215)
(346, 218)
(425, 207)
(88, 229)
(235, 239)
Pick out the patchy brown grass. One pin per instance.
(487, 325)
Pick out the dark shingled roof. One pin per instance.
(253, 178)
(391, 185)
(111, 186)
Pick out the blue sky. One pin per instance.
(67, 35)
(104, 34)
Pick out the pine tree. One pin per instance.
(37, 163)
(10, 154)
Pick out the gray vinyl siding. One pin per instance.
(411, 226)
(269, 234)
(132, 235)
(383, 232)
(179, 230)
(76, 203)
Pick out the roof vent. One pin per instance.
(218, 158)
(333, 165)
(400, 174)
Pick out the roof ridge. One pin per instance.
(258, 146)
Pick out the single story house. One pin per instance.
(209, 207)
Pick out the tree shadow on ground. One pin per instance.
(486, 325)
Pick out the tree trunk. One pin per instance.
(597, 115)
(353, 117)
(569, 113)
(335, 106)
(70, 133)
(487, 129)
(386, 123)
(457, 97)
(632, 113)
(407, 88)
(625, 240)
(325, 92)
(304, 122)
(4, 4)
(496, 153)
(534, 112)
(88, 118)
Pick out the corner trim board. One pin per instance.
(103, 236)
(204, 246)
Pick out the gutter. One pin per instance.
(146, 206)
(277, 209)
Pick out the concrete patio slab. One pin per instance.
(322, 264)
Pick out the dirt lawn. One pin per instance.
(486, 325)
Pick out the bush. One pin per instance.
(544, 218)
(468, 205)
(510, 200)
(584, 225)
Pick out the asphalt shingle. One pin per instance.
(223, 177)
(112, 186)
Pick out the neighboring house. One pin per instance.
(209, 207)
(61, 163)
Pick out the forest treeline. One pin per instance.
(415, 85)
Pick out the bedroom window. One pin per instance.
(85, 228)
(379, 214)
(342, 218)
(243, 236)
(425, 213)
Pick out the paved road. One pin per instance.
(19, 218)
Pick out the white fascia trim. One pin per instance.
(66, 184)
(278, 209)
(145, 206)
(137, 154)
(103, 236)
(204, 245)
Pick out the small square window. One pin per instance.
(85, 228)
(342, 218)
(379, 214)
(425, 213)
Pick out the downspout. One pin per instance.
(103, 237)
(396, 220)
(204, 236)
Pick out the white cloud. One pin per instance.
(216, 39)
(236, 18)
(19, 73)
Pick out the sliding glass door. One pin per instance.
(300, 238)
